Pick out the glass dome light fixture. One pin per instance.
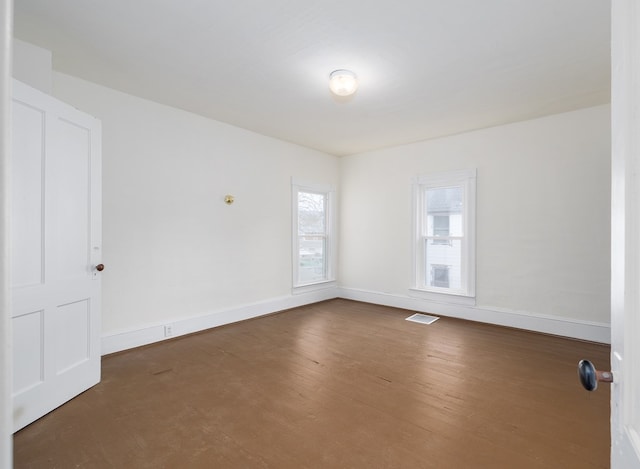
(343, 82)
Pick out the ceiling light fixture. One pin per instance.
(343, 82)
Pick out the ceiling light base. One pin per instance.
(343, 82)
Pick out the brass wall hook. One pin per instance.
(228, 199)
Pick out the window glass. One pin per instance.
(311, 212)
(445, 203)
(444, 256)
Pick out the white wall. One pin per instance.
(543, 218)
(32, 65)
(173, 249)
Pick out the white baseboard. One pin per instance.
(566, 327)
(135, 338)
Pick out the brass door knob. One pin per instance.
(100, 267)
(589, 376)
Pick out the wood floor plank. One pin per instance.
(338, 384)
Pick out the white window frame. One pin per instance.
(419, 288)
(328, 191)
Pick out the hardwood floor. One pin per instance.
(338, 384)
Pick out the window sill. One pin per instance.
(298, 289)
(448, 298)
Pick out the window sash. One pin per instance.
(321, 200)
(312, 268)
(452, 256)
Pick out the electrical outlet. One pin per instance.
(168, 330)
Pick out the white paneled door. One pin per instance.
(56, 253)
(625, 235)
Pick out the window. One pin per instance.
(312, 235)
(444, 227)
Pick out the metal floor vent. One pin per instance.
(422, 318)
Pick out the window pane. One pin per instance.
(311, 259)
(441, 225)
(440, 228)
(440, 276)
(444, 211)
(443, 264)
(311, 212)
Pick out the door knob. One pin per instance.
(100, 267)
(589, 376)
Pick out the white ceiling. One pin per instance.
(427, 68)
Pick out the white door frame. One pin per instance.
(6, 372)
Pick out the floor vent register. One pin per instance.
(422, 318)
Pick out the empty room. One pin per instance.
(282, 234)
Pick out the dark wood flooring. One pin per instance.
(338, 384)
